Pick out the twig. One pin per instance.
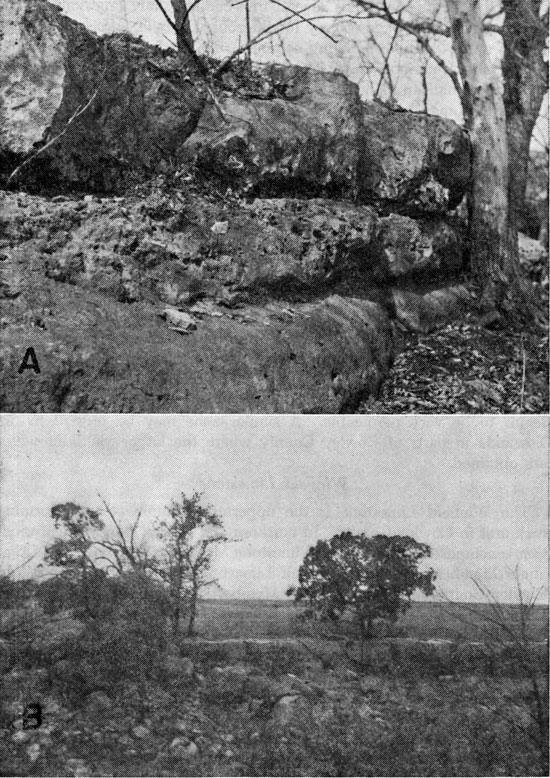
(386, 63)
(15, 569)
(76, 114)
(522, 393)
(162, 9)
(305, 19)
(223, 65)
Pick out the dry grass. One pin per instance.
(222, 619)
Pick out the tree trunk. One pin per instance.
(176, 618)
(493, 241)
(525, 83)
(184, 36)
(192, 611)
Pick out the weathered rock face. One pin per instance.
(298, 136)
(182, 301)
(117, 107)
(177, 250)
(272, 306)
(309, 134)
(412, 163)
(421, 247)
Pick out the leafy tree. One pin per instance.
(72, 551)
(188, 538)
(86, 543)
(87, 554)
(371, 578)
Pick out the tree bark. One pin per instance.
(176, 617)
(525, 84)
(493, 241)
(184, 36)
(192, 611)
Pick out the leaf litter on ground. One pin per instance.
(467, 368)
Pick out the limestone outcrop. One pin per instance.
(279, 241)
(106, 112)
(176, 303)
(306, 133)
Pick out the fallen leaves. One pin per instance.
(465, 368)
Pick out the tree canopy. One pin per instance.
(373, 578)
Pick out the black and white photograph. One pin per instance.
(274, 206)
(273, 596)
(274, 388)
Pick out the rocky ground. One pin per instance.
(169, 301)
(278, 712)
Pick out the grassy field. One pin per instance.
(222, 619)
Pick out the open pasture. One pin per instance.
(224, 619)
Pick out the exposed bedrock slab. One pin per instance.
(139, 305)
(111, 111)
(117, 107)
(96, 355)
(176, 250)
(310, 135)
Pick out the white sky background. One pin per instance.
(219, 28)
(475, 489)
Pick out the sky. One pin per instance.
(474, 488)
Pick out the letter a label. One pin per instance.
(30, 362)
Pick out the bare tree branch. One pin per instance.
(385, 68)
(79, 111)
(305, 19)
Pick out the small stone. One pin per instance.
(23, 736)
(78, 767)
(177, 743)
(33, 752)
(186, 666)
(350, 675)
(140, 732)
(286, 708)
(192, 749)
(365, 711)
(219, 228)
(179, 319)
(98, 701)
